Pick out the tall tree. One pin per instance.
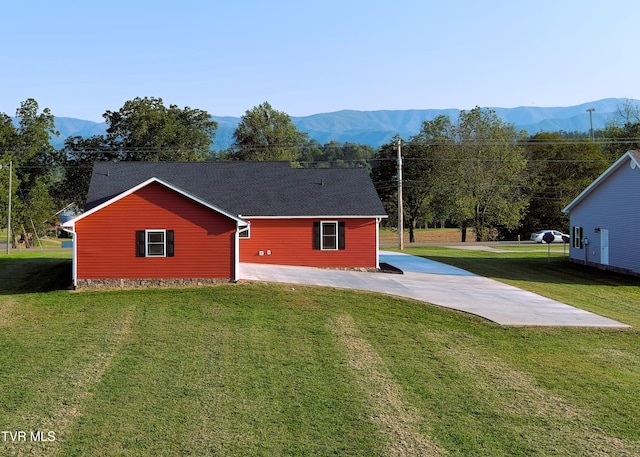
(267, 134)
(80, 155)
(489, 169)
(622, 132)
(8, 141)
(437, 136)
(8, 133)
(32, 150)
(559, 169)
(336, 155)
(420, 177)
(144, 129)
(35, 162)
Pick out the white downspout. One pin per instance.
(74, 254)
(378, 220)
(237, 247)
(236, 253)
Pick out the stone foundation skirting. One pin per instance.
(599, 266)
(145, 283)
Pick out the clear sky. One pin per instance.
(81, 58)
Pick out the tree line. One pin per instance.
(475, 172)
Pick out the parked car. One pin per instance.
(558, 237)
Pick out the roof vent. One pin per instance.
(322, 181)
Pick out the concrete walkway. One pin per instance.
(442, 285)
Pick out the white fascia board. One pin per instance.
(316, 217)
(617, 164)
(238, 219)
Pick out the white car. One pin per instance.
(558, 237)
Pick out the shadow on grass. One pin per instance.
(557, 270)
(21, 275)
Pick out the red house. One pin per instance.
(184, 223)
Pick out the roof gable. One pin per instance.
(149, 181)
(630, 157)
(248, 189)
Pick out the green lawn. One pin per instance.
(271, 370)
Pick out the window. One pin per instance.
(576, 237)
(155, 243)
(245, 232)
(329, 235)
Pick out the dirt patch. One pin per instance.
(398, 420)
(428, 236)
(6, 311)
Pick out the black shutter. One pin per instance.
(140, 243)
(170, 249)
(316, 235)
(341, 235)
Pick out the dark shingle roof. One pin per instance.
(248, 188)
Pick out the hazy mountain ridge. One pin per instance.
(378, 127)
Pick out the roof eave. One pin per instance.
(71, 223)
(317, 216)
(631, 155)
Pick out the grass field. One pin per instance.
(270, 370)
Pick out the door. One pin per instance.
(604, 246)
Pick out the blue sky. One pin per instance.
(81, 58)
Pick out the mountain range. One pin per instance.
(378, 127)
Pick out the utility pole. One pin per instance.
(9, 207)
(400, 209)
(591, 110)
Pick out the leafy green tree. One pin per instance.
(8, 134)
(8, 140)
(335, 154)
(488, 171)
(267, 134)
(471, 174)
(33, 153)
(310, 154)
(356, 155)
(438, 137)
(34, 163)
(385, 178)
(559, 169)
(419, 180)
(80, 155)
(144, 129)
(623, 132)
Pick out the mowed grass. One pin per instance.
(268, 370)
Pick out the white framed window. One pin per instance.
(245, 232)
(329, 235)
(155, 243)
(576, 237)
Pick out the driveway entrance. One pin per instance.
(442, 285)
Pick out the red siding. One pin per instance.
(106, 239)
(291, 243)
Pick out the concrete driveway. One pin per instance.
(442, 285)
